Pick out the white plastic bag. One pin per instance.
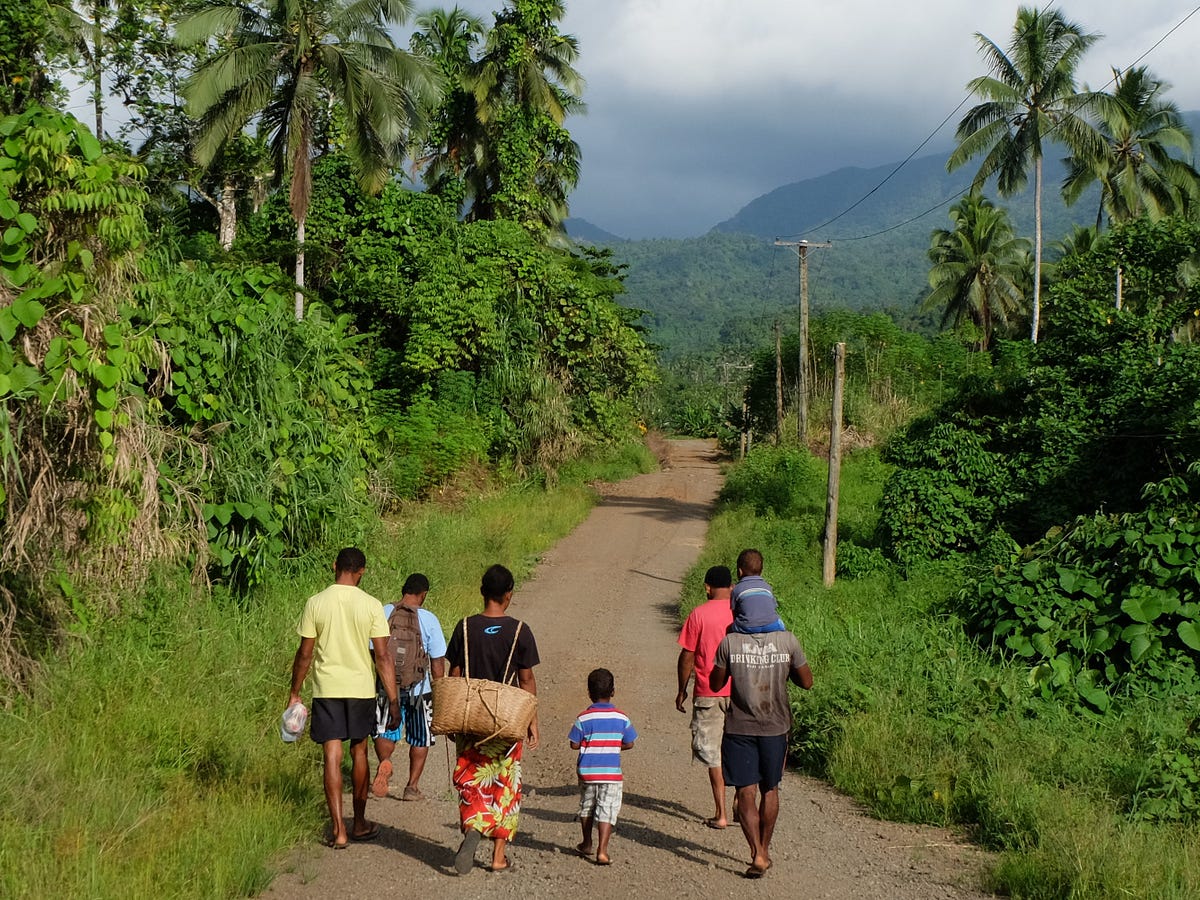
(291, 724)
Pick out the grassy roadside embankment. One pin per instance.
(909, 716)
(146, 760)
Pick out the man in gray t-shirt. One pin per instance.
(754, 748)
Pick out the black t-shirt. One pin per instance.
(491, 639)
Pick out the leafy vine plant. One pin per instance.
(78, 492)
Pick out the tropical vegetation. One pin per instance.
(182, 449)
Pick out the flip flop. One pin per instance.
(586, 854)
(603, 862)
(755, 872)
(505, 868)
(369, 835)
(713, 824)
(465, 857)
(332, 845)
(379, 787)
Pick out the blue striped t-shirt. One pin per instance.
(600, 731)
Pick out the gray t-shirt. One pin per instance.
(759, 665)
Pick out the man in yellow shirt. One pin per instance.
(338, 630)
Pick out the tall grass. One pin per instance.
(914, 720)
(146, 761)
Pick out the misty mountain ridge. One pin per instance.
(728, 286)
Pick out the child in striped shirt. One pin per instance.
(600, 733)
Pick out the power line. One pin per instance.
(940, 126)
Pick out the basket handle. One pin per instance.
(511, 650)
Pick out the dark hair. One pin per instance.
(350, 559)
(750, 562)
(497, 581)
(718, 577)
(415, 584)
(600, 684)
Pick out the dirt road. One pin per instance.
(607, 595)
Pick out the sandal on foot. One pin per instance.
(714, 824)
(755, 872)
(465, 857)
(369, 835)
(412, 793)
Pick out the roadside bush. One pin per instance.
(943, 496)
(777, 481)
(277, 412)
(1110, 602)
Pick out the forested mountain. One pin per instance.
(730, 284)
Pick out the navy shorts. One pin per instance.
(748, 759)
(342, 719)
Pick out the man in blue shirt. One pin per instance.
(416, 703)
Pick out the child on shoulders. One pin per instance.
(755, 609)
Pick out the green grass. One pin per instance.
(911, 718)
(146, 761)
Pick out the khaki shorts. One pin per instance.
(600, 800)
(708, 726)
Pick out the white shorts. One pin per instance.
(600, 800)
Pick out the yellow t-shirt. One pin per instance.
(343, 619)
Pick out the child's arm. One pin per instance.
(575, 745)
(627, 746)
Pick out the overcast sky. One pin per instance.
(696, 107)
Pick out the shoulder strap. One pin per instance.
(512, 649)
(466, 651)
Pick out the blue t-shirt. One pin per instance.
(600, 731)
(431, 637)
(755, 609)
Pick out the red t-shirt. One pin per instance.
(702, 633)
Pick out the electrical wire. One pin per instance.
(942, 125)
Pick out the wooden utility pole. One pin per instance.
(829, 562)
(778, 384)
(802, 377)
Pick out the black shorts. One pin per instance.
(748, 759)
(342, 719)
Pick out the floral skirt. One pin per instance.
(488, 780)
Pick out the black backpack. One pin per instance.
(407, 646)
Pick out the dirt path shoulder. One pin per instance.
(607, 595)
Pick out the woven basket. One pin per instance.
(481, 708)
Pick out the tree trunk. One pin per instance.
(300, 268)
(227, 211)
(97, 67)
(1037, 248)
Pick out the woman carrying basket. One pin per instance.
(488, 774)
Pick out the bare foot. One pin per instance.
(602, 859)
(380, 786)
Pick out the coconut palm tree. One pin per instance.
(1029, 98)
(1139, 168)
(979, 266)
(453, 135)
(282, 63)
(525, 85)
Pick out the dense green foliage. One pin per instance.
(912, 717)
(165, 411)
(1086, 439)
(891, 373)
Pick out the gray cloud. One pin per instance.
(696, 107)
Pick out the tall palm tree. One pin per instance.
(281, 62)
(979, 266)
(1030, 97)
(525, 85)
(453, 134)
(1139, 168)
